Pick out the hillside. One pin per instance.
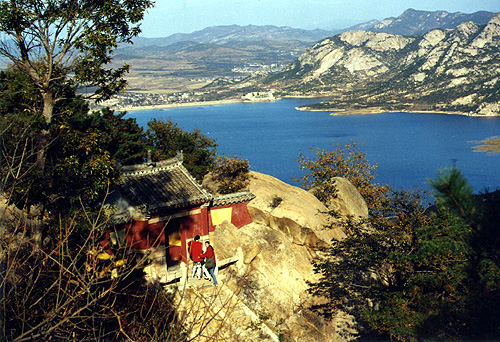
(189, 65)
(188, 61)
(413, 22)
(275, 254)
(230, 33)
(445, 70)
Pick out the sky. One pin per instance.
(186, 16)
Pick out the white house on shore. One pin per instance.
(259, 96)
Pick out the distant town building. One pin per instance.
(259, 96)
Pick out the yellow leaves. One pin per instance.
(114, 273)
(121, 262)
(103, 273)
(103, 256)
(110, 269)
(347, 162)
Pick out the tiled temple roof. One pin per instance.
(165, 185)
(153, 188)
(237, 197)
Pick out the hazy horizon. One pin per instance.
(186, 16)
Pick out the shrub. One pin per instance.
(344, 161)
(276, 201)
(231, 173)
(71, 289)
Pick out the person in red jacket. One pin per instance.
(210, 261)
(195, 250)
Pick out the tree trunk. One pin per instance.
(48, 111)
(48, 105)
(37, 228)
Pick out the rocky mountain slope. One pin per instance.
(413, 22)
(170, 64)
(274, 253)
(447, 70)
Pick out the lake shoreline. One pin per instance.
(333, 111)
(192, 104)
(179, 105)
(377, 110)
(407, 148)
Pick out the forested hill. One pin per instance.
(448, 70)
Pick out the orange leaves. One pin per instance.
(344, 161)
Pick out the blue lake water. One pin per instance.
(408, 147)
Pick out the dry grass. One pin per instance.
(161, 76)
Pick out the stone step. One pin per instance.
(174, 274)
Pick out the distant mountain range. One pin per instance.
(267, 41)
(225, 34)
(240, 45)
(447, 70)
(411, 22)
(235, 51)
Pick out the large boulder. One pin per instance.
(275, 256)
(294, 211)
(275, 270)
(271, 279)
(348, 201)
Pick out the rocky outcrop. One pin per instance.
(294, 211)
(348, 201)
(413, 22)
(275, 255)
(362, 53)
(489, 109)
(449, 70)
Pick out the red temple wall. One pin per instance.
(184, 225)
(239, 215)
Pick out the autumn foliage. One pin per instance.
(343, 161)
(409, 272)
(231, 174)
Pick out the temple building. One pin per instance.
(159, 208)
